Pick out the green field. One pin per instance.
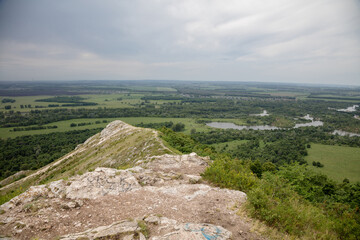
(335, 97)
(103, 100)
(228, 146)
(65, 125)
(284, 93)
(339, 161)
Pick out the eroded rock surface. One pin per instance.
(162, 229)
(163, 197)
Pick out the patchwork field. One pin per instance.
(65, 125)
(339, 161)
(118, 100)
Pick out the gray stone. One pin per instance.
(152, 219)
(124, 227)
(102, 182)
(194, 231)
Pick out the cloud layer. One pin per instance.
(314, 41)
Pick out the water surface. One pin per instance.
(228, 125)
(263, 114)
(343, 133)
(349, 109)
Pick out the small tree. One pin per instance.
(178, 127)
(317, 164)
(256, 168)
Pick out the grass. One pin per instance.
(339, 161)
(235, 121)
(228, 146)
(284, 93)
(103, 100)
(65, 125)
(153, 89)
(332, 97)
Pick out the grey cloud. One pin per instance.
(170, 39)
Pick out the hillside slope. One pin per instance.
(118, 145)
(161, 195)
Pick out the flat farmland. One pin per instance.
(65, 125)
(339, 161)
(121, 100)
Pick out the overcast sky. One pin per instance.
(310, 41)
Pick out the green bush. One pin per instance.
(229, 173)
(293, 199)
(274, 202)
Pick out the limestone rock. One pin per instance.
(196, 231)
(193, 179)
(152, 219)
(125, 228)
(167, 161)
(169, 228)
(30, 195)
(101, 182)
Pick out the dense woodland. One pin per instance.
(35, 151)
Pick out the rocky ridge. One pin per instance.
(162, 197)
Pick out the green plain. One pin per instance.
(228, 146)
(339, 161)
(128, 100)
(65, 125)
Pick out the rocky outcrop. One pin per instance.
(117, 230)
(162, 228)
(163, 197)
(116, 145)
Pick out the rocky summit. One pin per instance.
(158, 197)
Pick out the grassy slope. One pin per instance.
(123, 150)
(339, 161)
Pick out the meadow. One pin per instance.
(65, 125)
(339, 161)
(228, 146)
(114, 100)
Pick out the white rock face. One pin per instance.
(30, 195)
(170, 229)
(102, 182)
(175, 162)
(127, 228)
(196, 231)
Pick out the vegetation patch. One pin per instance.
(35, 151)
(339, 162)
(290, 198)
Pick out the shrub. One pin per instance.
(225, 172)
(274, 202)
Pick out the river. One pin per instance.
(227, 125)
